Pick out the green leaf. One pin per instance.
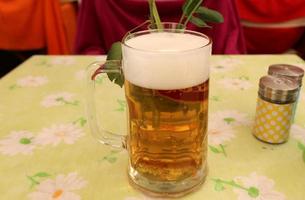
(114, 152)
(113, 63)
(304, 156)
(111, 159)
(209, 15)
(253, 192)
(219, 186)
(82, 121)
(214, 149)
(198, 22)
(112, 68)
(301, 146)
(12, 87)
(229, 120)
(33, 181)
(188, 8)
(41, 174)
(115, 51)
(215, 98)
(222, 147)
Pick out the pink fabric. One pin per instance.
(102, 22)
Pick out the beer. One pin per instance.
(166, 87)
(167, 131)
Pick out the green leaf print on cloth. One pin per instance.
(222, 126)
(111, 157)
(122, 105)
(59, 99)
(219, 149)
(250, 187)
(215, 98)
(298, 132)
(81, 121)
(36, 178)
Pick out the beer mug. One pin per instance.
(166, 88)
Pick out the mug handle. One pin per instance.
(103, 136)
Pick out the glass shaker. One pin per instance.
(274, 111)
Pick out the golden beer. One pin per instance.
(166, 73)
(167, 138)
(166, 86)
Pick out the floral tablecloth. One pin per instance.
(48, 153)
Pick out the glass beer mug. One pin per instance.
(166, 88)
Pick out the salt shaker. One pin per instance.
(288, 71)
(274, 111)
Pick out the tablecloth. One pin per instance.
(48, 152)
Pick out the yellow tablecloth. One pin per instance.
(47, 151)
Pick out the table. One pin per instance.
(47, 151)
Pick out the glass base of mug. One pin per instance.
(166, 189)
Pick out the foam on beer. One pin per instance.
(181, 64)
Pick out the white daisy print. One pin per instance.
(80, 75)
(256, 187)
(231, 117)
(224, 65)
(18, 142)
(298, 132)
(67, 133)
(63, 61)
(59, 99)
(32, 81)
(62, 188)
(235, 83)
(219, 133)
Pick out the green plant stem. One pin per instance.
(154, 15)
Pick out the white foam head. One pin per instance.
(166, 60)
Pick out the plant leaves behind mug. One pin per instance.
(188, 8)
(154, 14)
(198, 22)
(113, 61)
(208, 15)
(191, 12)
(115, 51)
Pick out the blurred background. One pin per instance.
(67, 27)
